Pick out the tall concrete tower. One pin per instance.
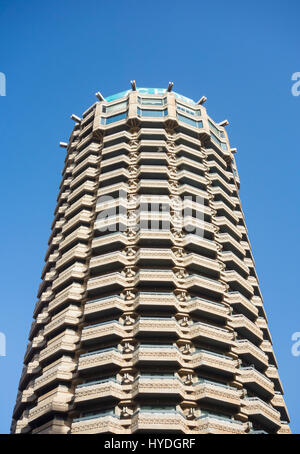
(149, 316)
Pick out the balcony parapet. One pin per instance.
(58, 401)
(262, 412)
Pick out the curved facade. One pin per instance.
(149, 316)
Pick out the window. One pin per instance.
(152, 113)
(217, 131)
(113, 119)
(190, 121)
(188, 111)
(218, 142)
(152, 101)
(115, 107)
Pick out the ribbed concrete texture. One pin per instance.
(149, 316)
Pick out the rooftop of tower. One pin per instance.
(148, 91)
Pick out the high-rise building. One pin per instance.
(149, 316)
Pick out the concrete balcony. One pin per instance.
(65, 183)
(44, 299)
(101, 390)
(207, 309)
(263, 325)
(90, 161)
(246, 328)
(188, 190)
(188, 152)
(157, 386)
(140, 421)
(233, 262)
(154, 237)
(157, 355)
(156, 277)
(242, 304)
(110, 389)
(68, 317)
(226, 240)
(79, 251)
(55, 426)
(267, 347)
(257, 301)
(256, 381)
(75, 272)
(56, 240)
(200, 245)
(216, 394)
(194, 225)
(92, 148)
(227, 227)
(210, 334)
(104, 243)
(212, 362)
(121, 137)
(208, 286)
(86, 187)
(89, 173)
(33, 367)
(64, 342)
(105, 331)
(57, 401)
(186, 177)
(151, 256)
(222, 208)
(213, 424)
(153, 157)
(122, 161)
(37, 325)
(122, 148)
(184, 162)
(86, 201)
(272, 373)
(108, 282)
(152, 186)
(21, 426)
(85, 141)
(33, 346)
(113, 223)
(106, 306)
(237, 282)
(114, 176)
(105, 359)
(61, 370)
(221, 182)
(284, 429)
(24, 397)
(80, 234)
(73, 293)
(218, 192)
(261, 412)
(49, 277)
(159, 172)
(158, 327)
(151, 420)
(112, 204)
(251, 353)
(118, 189)
(50, 262)
(215, 157)
(216, 168)
(279, 404)
(83, 217)
(46, 284)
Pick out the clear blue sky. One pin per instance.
(241, 55)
